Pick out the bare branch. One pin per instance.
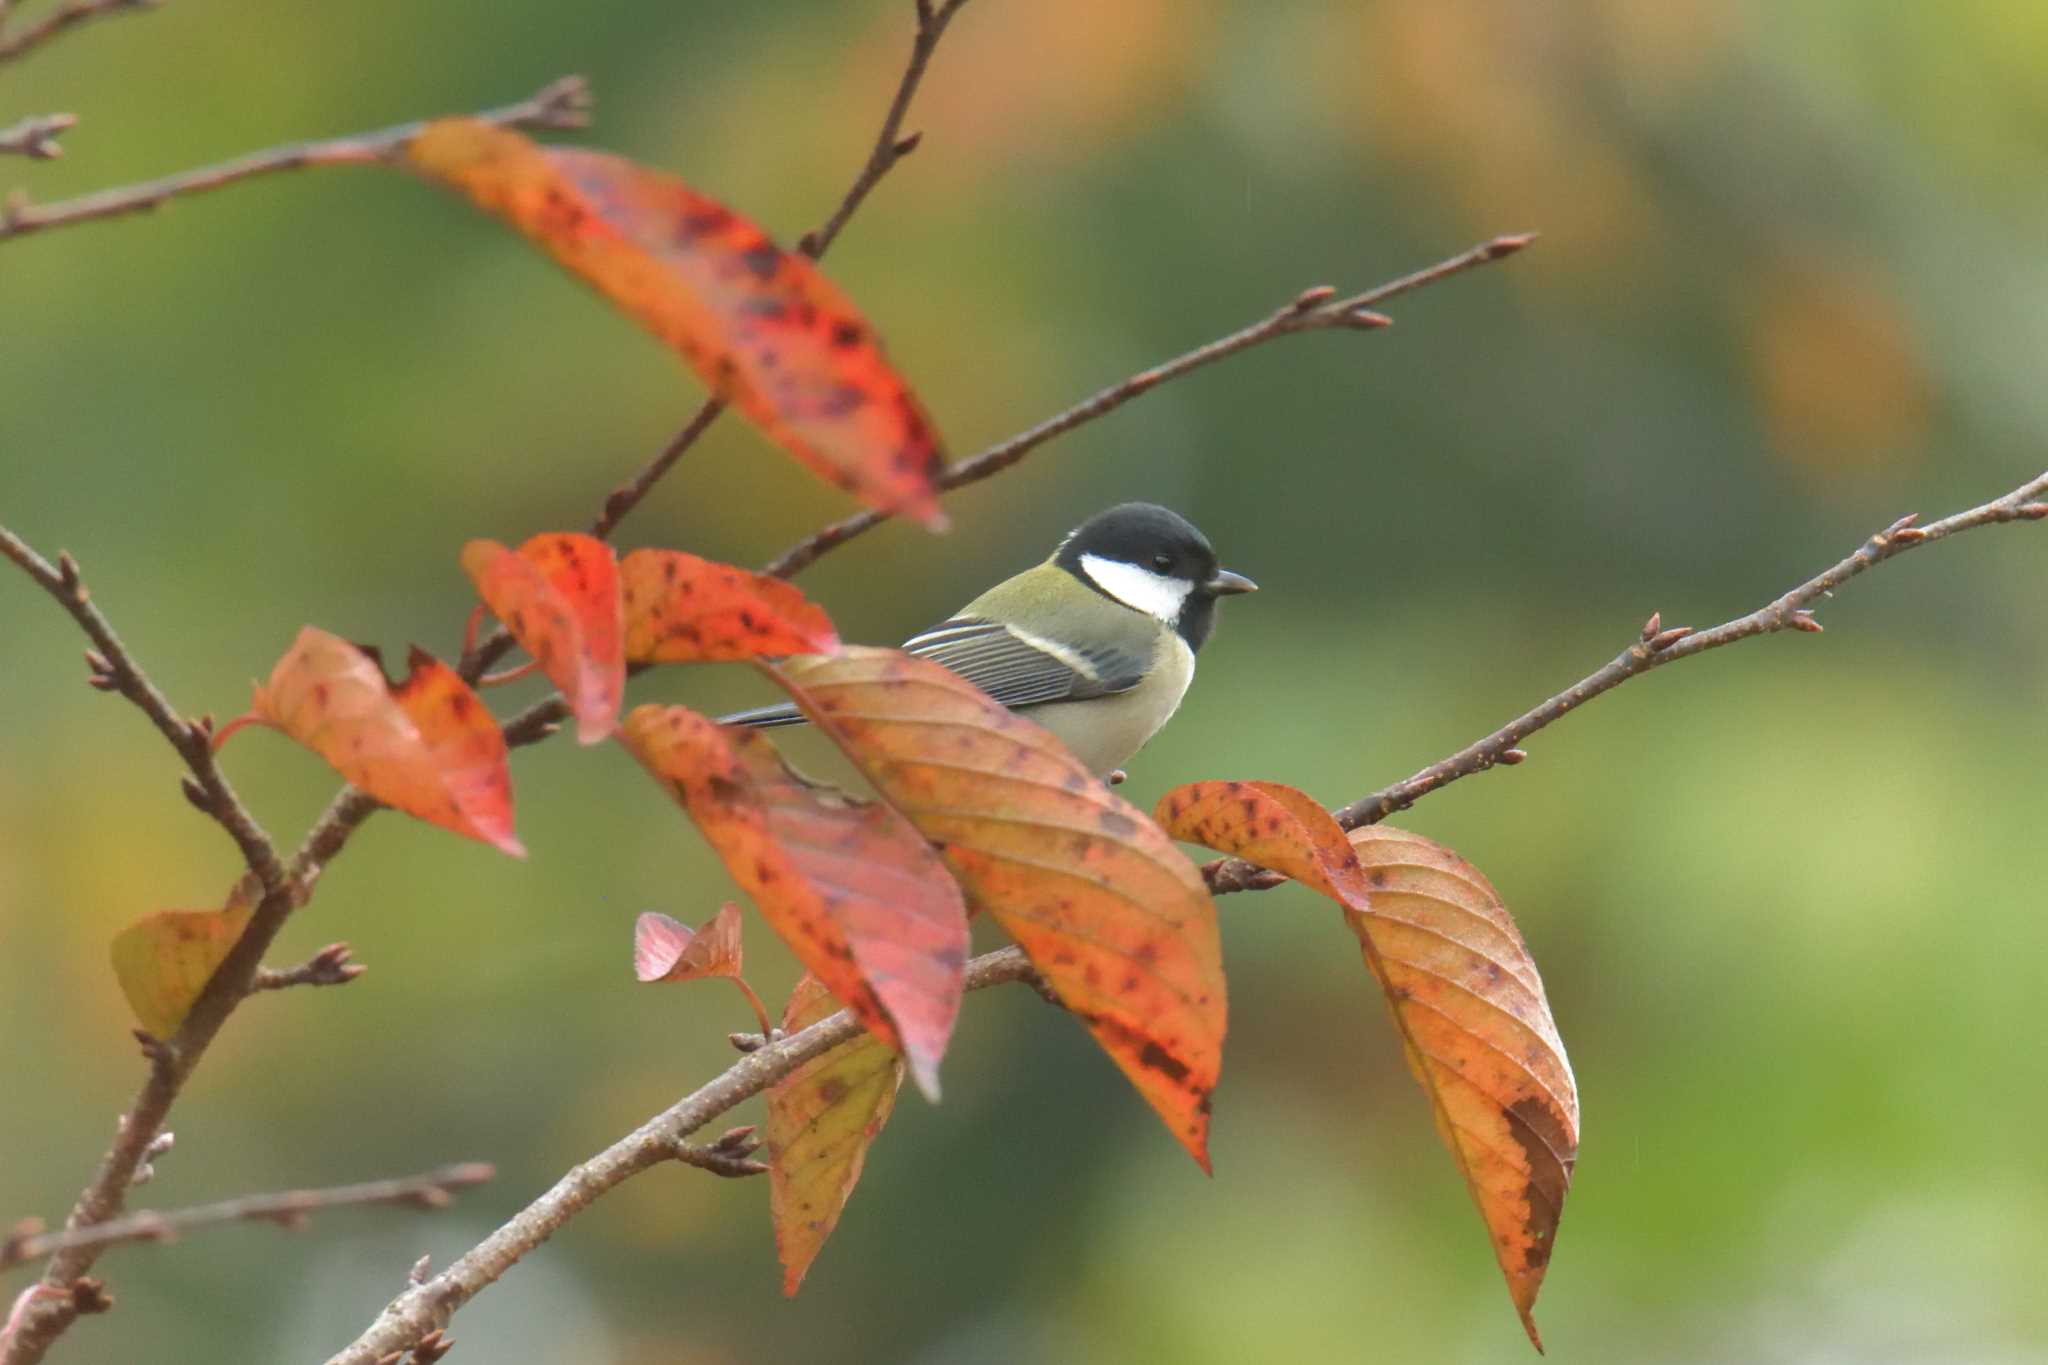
(561, 104)
(1792, 611)
(1655, 645)
(112, 670)
(1312, 310)
(35, 137)
(290, 1209)
(428, 1307)
(65, 16)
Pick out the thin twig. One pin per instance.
(331, 966)
(1312, 310)
(561, 104)
(113, 670)
(290, 1208)
(35, 137)
(429, 1306)
(1655, 646)
(65, 16)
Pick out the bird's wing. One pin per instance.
(1014, 667)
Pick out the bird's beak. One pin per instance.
(1228, 584)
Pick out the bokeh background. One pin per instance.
(1787, 898)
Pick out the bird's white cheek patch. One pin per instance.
(1139, 589)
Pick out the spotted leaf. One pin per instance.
(761, 326)
(1479, 1037)
(1113, 916)
(822, 1118)
(850, 886)
(559, 596)
(682, 609)
(428, 746)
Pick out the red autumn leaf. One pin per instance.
(665, 949)
(1113, 916)
(761, 326)
(682, 609)
(427, 747)
(857, 894)
(559, 596)
(822, 1117)
(163, 961)
(1480, 1039)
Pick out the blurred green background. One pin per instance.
(1786, 898)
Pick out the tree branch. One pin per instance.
(561, 104)
(63, 17)
(429, 1306)
(1654, 647)
(113, 670)
(35, 137)
(290, 1208)
(1313, 310)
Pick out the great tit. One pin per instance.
(1097, 644)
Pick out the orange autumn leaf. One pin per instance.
(1479, 1037)
(1112, 915)
(1463, 991)
(428, 746)
(559, 596)
(682, 609)
(850, 886)
(822, 1118)
(163, 961)
(761, 326)
(665, 949)
(1275, 826)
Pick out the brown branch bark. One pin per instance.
(429, 1306)
(432, 1190)
(1654, 647)
(35, 137)
(1312, 310)
(328, 967)
(113, 670)
(65, 16)
(561, 104)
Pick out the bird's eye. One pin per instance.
(1162, 562)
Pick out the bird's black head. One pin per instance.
(1149, 559)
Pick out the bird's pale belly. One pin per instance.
(1104, 732)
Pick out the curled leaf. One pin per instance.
(428, 746)
(761, 326)
(822, 1118)
(1112, 915)
(682, 609)
(1479, 1037)
(851, 887)
(559, 596)
(163, 961)
(665, 949)
(1275, 826)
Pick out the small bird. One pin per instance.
(1097, 644)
